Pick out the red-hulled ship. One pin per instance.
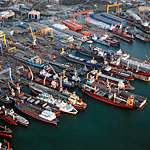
(120, 99)
(136, 66)
(122, 35)
(4, 131)
(6, 117)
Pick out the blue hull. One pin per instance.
(27, 62)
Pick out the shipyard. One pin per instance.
(74, 74)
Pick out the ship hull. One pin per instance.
(139, 73)
(80, 62)
(123, 37)
(33, 115)
(105, 99)
(26, 62)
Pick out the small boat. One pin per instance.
(89, 42)
(100, 41)
(19, 118)
(6, 117)
(45, 116)
(4, 131)
(64, 106)
(33, 60)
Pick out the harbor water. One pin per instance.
(100, 127)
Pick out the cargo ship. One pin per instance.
(45, 116)
(117, 73)
(121, 99)
(33, 61)
(92, 63)
(65, 95)
(133, 65)
(123, 35)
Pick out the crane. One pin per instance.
(144, 8)
(114, 5)
(83, 12)
(5, 71)
(4, 37)
(33, 36)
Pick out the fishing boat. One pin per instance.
(92, 63)
(45, 116)
(19, 118)
(26, 59)
(4, 131)
(64, 106)
(6, 117)
(120, 99)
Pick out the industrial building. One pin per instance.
(105, 20)
(6, 15)
(34, 15)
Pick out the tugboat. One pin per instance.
(73, 99)
(4, 131)
(6, 117)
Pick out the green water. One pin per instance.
(100, 127)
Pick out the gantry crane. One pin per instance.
(83, 12)
(145, 8)
(114, 5)
(33, 36)
(4, 37)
